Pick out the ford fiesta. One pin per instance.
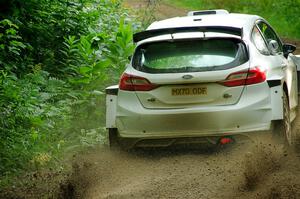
(209, 77)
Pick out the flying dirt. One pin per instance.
(261, 170)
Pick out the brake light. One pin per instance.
(135, 83)
(248, 77)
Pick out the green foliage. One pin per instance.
(31, 108)
(44, 24)
(11, 45)
(56, 58)
(282, 15)
(120, 48)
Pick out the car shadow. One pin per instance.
(172, 151)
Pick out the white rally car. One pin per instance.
(210, 77)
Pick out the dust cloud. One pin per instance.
(260, 170)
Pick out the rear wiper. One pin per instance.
(195, 69)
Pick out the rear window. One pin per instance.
(190, 55)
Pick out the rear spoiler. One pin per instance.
(157, 32)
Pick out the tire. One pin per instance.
(113, 139)
(117, 143)
(283, 128)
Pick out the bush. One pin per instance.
(56, 58)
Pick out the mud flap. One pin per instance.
(276, 102)
(111, 106)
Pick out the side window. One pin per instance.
(269, 34)
(259, 41)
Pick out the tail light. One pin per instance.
(135, 83)
(248, 77)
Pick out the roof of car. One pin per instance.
(244, 21)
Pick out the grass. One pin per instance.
(283, 15)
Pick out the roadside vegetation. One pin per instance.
(56, 58)
(282, 15)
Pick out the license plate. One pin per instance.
(189, 91)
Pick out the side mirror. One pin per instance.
(273, 46)
(288, 48)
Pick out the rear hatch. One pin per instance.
(187, 73)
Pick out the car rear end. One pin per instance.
(190, 88)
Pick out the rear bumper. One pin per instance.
(252, 113)
(128, 143)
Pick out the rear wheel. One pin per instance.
(113, 139)
(283, 128)
(117, 143)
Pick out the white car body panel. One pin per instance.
(252, 109)
(296, 60)
(111, 108)
(135, 121)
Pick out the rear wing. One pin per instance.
(157, 32)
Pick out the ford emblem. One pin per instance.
(187, 76)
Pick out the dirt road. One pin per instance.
(256, 171)
(262, 170)
(161, 10)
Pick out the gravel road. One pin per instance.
(261, 170)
